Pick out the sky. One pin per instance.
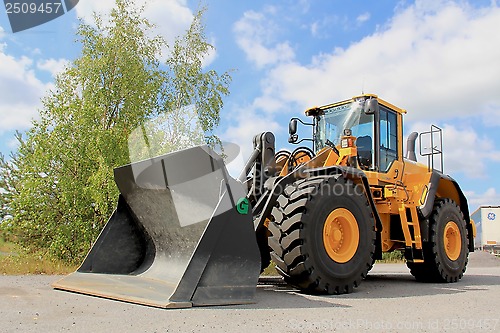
(437, 59)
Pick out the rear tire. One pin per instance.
(323, 235)
(446, 253)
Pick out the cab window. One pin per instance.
(388, 139)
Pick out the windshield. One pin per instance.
(331, 124)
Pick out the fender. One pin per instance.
(444, 186)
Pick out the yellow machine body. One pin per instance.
(400, 193)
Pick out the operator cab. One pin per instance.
(374, 123)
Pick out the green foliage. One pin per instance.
(14, 260)
(393, 257)
(190, 86)
(58, 186)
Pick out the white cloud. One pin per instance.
(255, 35)
(171, 17)
(437, 59)
(315, 28)
(13, 144)
(322, 28)
(21, 92)
(53, 66)
(244, 127)
(86, 9)
(363, 18)
(464, 150)
(211, 55)
(489, 198)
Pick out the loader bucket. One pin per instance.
(177, 237)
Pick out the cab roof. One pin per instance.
(316, 110)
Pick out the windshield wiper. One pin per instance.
(332, 145)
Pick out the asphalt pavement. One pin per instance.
(389, 300)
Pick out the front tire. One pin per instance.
(265, 257)
(323, 235)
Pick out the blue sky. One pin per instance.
(438, 59)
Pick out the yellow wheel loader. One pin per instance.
(185, 233)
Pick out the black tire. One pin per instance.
(438, 266)
(296, 228)
(262, 235)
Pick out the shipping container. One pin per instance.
(487, 220)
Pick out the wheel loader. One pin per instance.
(185, 233)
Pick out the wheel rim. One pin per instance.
(341, 235)
(452, 240)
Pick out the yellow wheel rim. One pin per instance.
(341, 235)
(452, 240)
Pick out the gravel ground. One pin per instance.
(389, 300)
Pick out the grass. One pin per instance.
(6, 247)
(270, 270)
(16, 261)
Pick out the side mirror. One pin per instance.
(292, 127)
(371, 106)
(292, 130)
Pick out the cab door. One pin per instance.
(389, 149)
